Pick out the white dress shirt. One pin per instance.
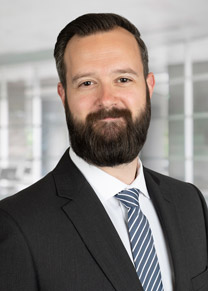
(106, 187)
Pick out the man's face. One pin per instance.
(105, 87)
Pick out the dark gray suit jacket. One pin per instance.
(57, 236)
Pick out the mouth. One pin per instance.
(108, 119)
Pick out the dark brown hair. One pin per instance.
(89, 24)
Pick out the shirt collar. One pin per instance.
(105, 185)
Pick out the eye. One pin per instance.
(86, 84)
(124, 80)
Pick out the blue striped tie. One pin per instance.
(142, 244)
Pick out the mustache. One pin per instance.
(112, 113)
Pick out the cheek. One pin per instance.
(80, 105)
(135, 98)
(136, 101)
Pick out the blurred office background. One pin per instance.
(33, 133)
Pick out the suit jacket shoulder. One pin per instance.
(176, 189)
(182, 211)
(60, 237)
(56, 231)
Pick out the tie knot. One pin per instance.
(129, 197)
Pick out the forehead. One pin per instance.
(115, 41)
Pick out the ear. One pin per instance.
(61, 92)
(150, 83)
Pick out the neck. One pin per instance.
(125, 172)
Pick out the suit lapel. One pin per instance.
(94, 226)
(163, 200)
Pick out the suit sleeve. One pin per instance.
(204, 206)
(205, 211)
(16, 265)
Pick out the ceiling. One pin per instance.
(28, 29)
(27, 25)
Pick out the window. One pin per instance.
(32, 124)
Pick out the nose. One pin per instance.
(106, 96)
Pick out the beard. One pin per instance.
(109, 143)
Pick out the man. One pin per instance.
(99, 220)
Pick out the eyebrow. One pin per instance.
(126, 71)
(90, 74)
(80, 76)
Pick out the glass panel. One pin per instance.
(0, 124)
(54, 143)
(176, 100)
(20, 106)
(177, 169)
(200, 96)
(48, 82)
(55, 140)
(20, 142)
(156, 145)
(159, 101)
(176, 138)
(200, 174)
(200, 68)
(201, 137)
(54, 133)
(53, 111)
(176, 71)
(159, 165)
